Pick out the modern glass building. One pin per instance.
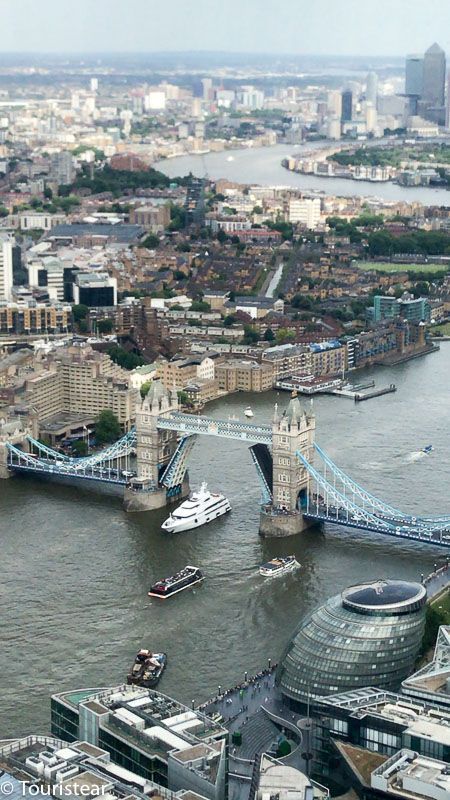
(369, 635)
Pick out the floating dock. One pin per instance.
(376, 393)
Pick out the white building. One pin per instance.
(6, 270)
(305, 210)
(155, 101)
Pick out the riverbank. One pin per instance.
(262, 166)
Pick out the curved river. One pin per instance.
(262, 165)
(76, 568)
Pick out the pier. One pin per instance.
(376, 393)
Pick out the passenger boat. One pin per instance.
(428, 449)
(187, 577)
(248, 412)
(278, 566)
(200, 507)
(147, 668)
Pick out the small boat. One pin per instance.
(147, 669)
(187, 577)
(200, 508)
(248, 412)
(428, 449)
(230, 158)
(278, 566)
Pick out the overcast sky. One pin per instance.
(325, 27)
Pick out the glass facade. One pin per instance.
(343, 646)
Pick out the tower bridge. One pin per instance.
(301, 486)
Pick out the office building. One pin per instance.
(284, 782)
(334, 104)
(95, 290)
(368, 635)
(244, 376)
(372, 88)
(148, 733)
(347, 106)
(306, 211)
(414, 76)
(432, 102)
(59, 769)
(6, 269)
(378, 722)
(431, 684)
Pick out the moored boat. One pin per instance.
(278, 566)
(248, 412)
(147, 668)
(184, 579)
(200, 508)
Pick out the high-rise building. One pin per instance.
(207, 89)
(372, 88)
(6, 269)
(347, 106)
(61, 168)
(334, 104)
(433, 91)
(432, 101)
(414, 75)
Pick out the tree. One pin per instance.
(151, 241)
(104, 325)
(145, 388)
(80, 448)
(283, 336)
(107, 427)
(269, 335)
(79, 312)
(229, 320)
(250, 335)
(284, 748)
(200, 305)
(183, 397)
(3, 211)
(221, 236)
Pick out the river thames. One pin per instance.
(262, 165)
(76, 568)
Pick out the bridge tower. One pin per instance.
(155, 449)
(293, 430)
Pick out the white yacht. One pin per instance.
(248, 412)
(200, 507)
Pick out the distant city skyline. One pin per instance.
(343, 28)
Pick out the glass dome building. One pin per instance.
(369, 635)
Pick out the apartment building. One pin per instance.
(244, 376)
(79, 380)
(179, 373)
(30, 317)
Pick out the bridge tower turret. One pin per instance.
(155, 449)
(293, 430)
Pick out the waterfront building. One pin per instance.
(148, 733)
(407, 307)
(368, 635)
(378, 722)
(76, 769)
(347, 105)
(77, 380)
(181, 372)
(239, 375)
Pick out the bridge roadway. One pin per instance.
(379, 524)
(50, 468)
(227, 429)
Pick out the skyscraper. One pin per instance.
(372, 88)
(347, 105)
(433, 91)
(414, 75)
(6, 269)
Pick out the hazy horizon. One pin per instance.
(388, 28)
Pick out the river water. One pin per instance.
(75, 568)
(262, 165)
